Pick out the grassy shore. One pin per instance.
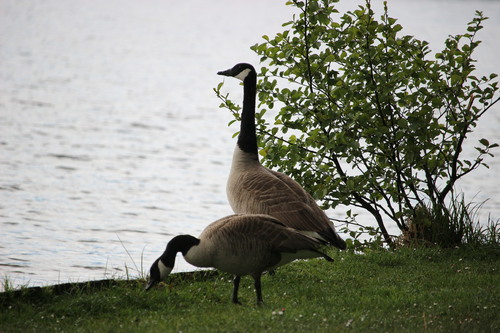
(408, 290)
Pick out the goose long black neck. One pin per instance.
(181, 243)
(247, 139)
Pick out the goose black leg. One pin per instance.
(258, 289)
(236, 282)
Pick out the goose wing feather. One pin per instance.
(257, 242)
(242, 229)
(269, 192)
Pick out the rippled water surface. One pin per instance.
(111, 139)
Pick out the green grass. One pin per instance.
(419, 290)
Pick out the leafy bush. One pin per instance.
(364, 116)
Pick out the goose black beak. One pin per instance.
(151, 283)
(225, 73)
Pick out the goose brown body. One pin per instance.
(250, 244)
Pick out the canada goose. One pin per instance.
(241, 245)
(254, 189)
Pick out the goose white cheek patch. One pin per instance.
(243, 74)
(164, 270)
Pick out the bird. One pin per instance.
(239, 244)
(254, 189)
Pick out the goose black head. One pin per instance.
(239, 71)
(157, 273)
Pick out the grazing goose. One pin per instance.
(254, 189)
(241, 245)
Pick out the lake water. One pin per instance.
(111, 139)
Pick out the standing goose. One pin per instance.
(254, 189)
(241, 245)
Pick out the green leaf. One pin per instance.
(484, 142)
(455, 79)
